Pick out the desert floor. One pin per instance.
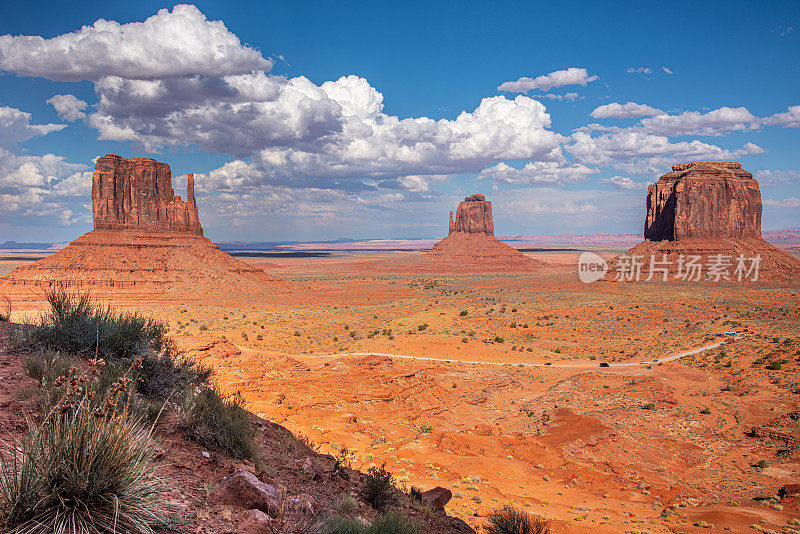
(655, 447)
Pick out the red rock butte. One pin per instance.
(709, 208)
(137, 193)
(471, 244)
(147, 244)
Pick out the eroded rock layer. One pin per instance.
(137, 193)
(710, 211)
(703, 200)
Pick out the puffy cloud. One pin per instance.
(624, 183)
(68, 107)
(789, 119)
(667, 70)
(714, 123)
(537, 172)
(624, 111)
(16, 127)
(545, 82)
(177, 43)
(335, 132)
(639, 152)
(768, 177)
(640, 70)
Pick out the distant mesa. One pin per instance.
(471, 244)
(147, 244)
(707, 209)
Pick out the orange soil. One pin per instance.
(583, 447)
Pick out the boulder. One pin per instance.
(703, 200)
(254, 522)
(137, 193)
(437, 497)
(789, 490)
(244, 490)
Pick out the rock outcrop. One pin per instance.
(137, 193)
(471, 245)
(704, 200)
(147, 245)
(711, 212)
(473, 216)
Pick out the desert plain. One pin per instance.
(491, 385)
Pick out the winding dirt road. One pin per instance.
(559, 365)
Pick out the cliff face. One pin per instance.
(701, 200)
(137, 193)
(473, 216)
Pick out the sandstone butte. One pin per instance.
(146, 241)
(708, 208)
(471, 244)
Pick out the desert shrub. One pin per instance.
(88, 467)
(508, 520)
(415, 493)
(76, 325)
(498, 339)
(166, 374)
(774, 365)
(345, 506)
(463, 313)
(379, 489)
(423, 326)
(219, 422)
(5, 309)
(388, 523)
(649, 406)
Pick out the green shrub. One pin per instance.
(508, 520)
(88, 467)
(388, 523)
(378, 489)
(463, 313)
(423, 326)
(76, 325)
(774, 365)
(649, 406)
(218, 422)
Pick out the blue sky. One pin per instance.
(307, 120)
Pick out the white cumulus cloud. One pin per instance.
(624, 183)
(624, 111)
(16, 127)
(789, 119)
(537, 172)
(181, 42)
(69, 107)
(545, 82)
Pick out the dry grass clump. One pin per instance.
(87, 468)
(219, 422)
(508, 520)
(379, 489)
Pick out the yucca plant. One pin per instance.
(88, 468)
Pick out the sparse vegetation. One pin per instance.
(508, 520)
(388, 523)
(379, 489)
(87, 467)
(219, 422)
